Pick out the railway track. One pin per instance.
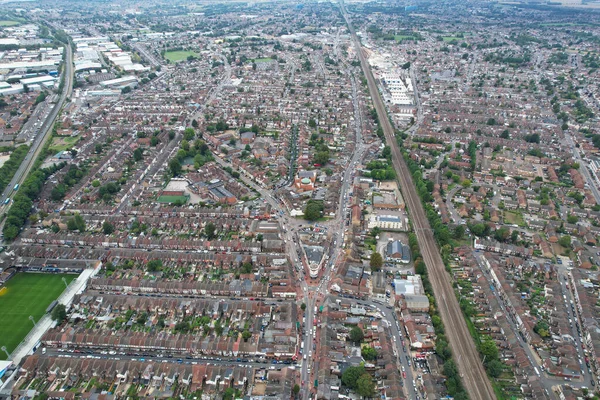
(465, 353)
(43, 135)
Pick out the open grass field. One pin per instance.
(263, 60)
(23, 295)
(62, 143)
(7, 22)
(176, 56)
(451, 38)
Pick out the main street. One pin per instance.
(45, 132)
(467, 358)
(591, 179)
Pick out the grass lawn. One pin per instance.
(62, 143)
(176, 56)
(173, 199)
(7, 22)
(513, 218)
(23, 295)
(558, 249)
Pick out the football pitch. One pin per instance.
(23, 295)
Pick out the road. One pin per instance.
(508, 311)
(390, 316)
(592, 181)
(449, 196)
(413, 128)
(45, 132)
(465, 353)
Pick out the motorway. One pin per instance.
(45, 132)
(465, 353)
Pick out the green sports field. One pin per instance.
(173, 199)
(23, 295)
(7, 22)
(181, 55)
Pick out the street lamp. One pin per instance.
(6, 351)
(32, 320)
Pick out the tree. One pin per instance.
(368, 353)
(365, 386)
(489, 349)
(41, 97)
(565, 241)
(126, 89)
(59, 313)
(303, 306)
(246, 335)
(189, 133)
(459, 232)
(514, 236)
(312, 123)
(321, 157)
(313, 209)
(209, 230)
(494, 368)
(480, 229)
(76, 224)
(386, 152)
(450, 369)
(420, 267)
(229, 394)
(542, 329)
(533, 138)
(572, 219)
(175, 167)
(376, 261)
(137, 154)
(221, 126)
(356, 335)
(350, 376)
(296, 389)
(502, 234)
(154, 265)
(108, 228)
(142, 318)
